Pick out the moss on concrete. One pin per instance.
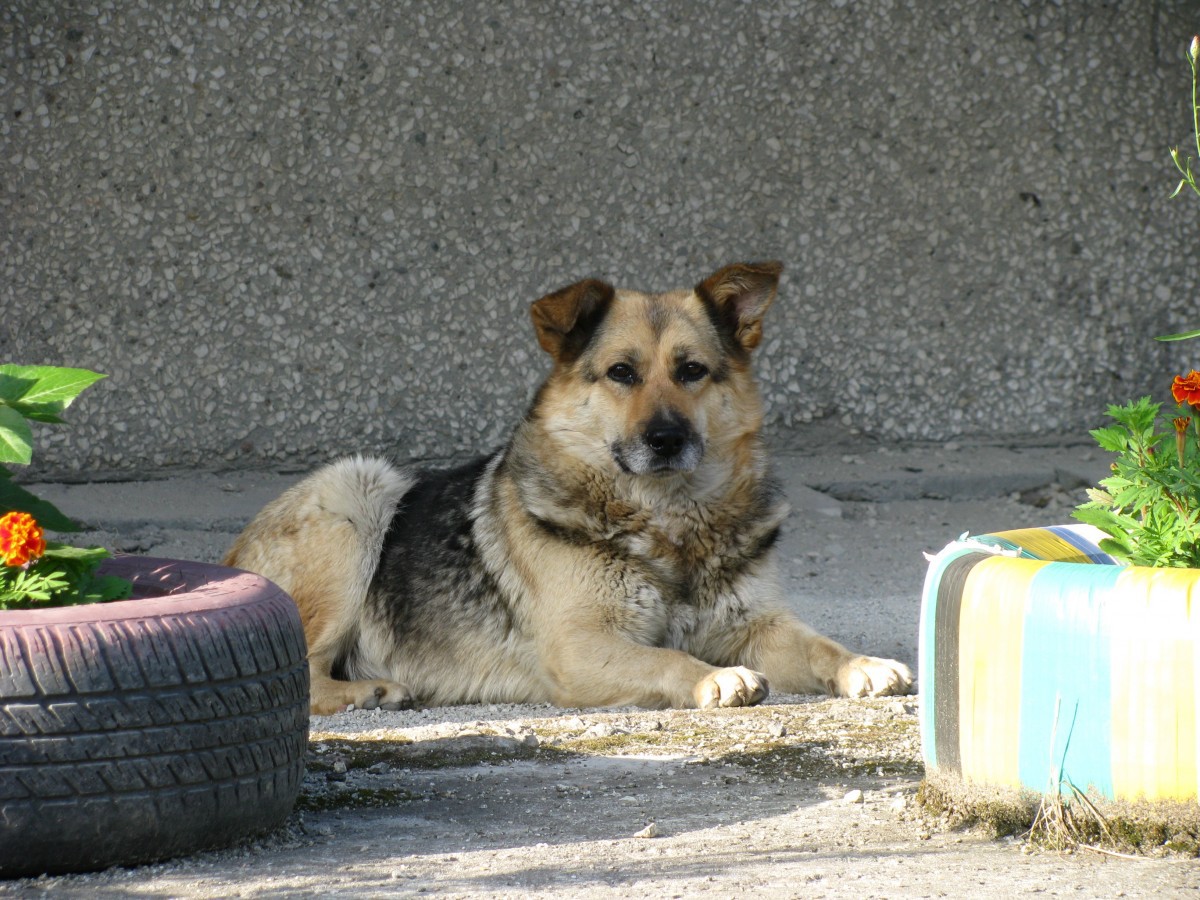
(1066, 822)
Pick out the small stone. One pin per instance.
(777, 729)
(899, 805)
(339, 766)
(854, 796)
(896, 708)
(649, 831)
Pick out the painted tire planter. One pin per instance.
(1045, 662)
(152, 727)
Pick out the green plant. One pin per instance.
(34, 571)
(1185, 166)
(1150, 506)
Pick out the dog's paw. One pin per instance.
(361, 695)
(867, 676)
(736, 686)
(385, 695)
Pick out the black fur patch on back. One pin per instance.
(431, 583)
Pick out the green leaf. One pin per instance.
(12, 387)
(1183, 336)
(1105, 520)
(45, 412)
(45, 386)
(15, 497)
(55, 550)
(106, 588)
(16, 440)
(1113, 438)
(1116, 550)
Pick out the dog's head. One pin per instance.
(652, 383)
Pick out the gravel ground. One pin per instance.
(798, 797)
(801, 796)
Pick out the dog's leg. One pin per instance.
(601, 669)
(320, 542)
(796, 659)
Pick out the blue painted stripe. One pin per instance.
(1072, 536)
(1066, 663)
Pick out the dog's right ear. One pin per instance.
(566, 320)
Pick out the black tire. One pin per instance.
(149, 728)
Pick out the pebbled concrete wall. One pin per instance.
(290, 229)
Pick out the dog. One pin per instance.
(617, 551)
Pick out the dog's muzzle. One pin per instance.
(667, 443)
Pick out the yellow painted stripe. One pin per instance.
(1044, 544)
(1154, 692)
(989, 700)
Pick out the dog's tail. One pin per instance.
(326, 530)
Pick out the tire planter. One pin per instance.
(1046, 664)
(152, 727)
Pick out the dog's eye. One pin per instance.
(691, 371)
(622, 373)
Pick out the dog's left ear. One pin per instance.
(566, 320)
(739, 295)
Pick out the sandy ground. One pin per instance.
(801, 796)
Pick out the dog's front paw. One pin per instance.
(736, 686)
(867, 676)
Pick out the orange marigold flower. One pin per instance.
(1186, 388)
(21, 539)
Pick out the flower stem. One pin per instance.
(1195, 107)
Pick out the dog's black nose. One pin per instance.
(666, 440)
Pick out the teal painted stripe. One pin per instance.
(1066, 656)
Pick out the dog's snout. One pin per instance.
(666, 440)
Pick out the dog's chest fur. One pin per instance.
(677, 559)
(699, 549)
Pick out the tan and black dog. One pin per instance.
(617, 551)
